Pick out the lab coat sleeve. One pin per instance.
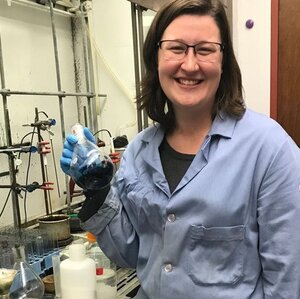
(279, 223)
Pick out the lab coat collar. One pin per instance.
(223, 125)
(154, 134)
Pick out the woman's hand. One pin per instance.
(69, 144)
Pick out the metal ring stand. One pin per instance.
(5, 92)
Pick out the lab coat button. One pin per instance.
(171, 217)
(168, 268)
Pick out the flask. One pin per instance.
(26, 284)
(90, 168)
(106, 274)
(77, 274)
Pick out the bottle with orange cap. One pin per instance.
(106, 274)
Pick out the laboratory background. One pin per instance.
(64, 62)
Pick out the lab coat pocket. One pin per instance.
(217, 254)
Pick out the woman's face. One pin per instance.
(190, 83)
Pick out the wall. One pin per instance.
(252, 48)
(28, 58)
(111, 38)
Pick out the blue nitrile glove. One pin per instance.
(69, 144)
(94, 198)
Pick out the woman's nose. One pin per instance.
(190, 61)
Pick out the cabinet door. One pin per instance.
(286, 89)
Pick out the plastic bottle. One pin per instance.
(106, 274)
(26, 284)
(77, 274)
(90, 168)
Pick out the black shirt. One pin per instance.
(174, 164)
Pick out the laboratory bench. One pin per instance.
(127, 285)
(127, 281)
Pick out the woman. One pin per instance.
(206, 201)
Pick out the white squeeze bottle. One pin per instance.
(77, 274)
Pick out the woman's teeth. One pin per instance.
(188, 81)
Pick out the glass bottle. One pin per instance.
(26, 284)
(106, 274)
(90, 168)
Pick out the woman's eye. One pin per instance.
(204, 50)
(177, 49)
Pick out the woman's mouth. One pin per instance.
(188, 82)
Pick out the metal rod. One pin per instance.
(142, 66)
(87, 68)
(10, 187)
(42, 163)
(140, 37)
(85, 116)
(1, 65)
(11, 150)
(11, 163)
(59, 97)
(76, 59)
(136, 63)
(57, 67)
(55, 168)
(91, 78)
(42, 93)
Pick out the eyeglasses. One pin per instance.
(205, 51)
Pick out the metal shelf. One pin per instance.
(154, 5)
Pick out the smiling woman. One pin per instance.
(205, 25)
(197, 203)
(191, 83)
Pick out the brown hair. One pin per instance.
(229, 96)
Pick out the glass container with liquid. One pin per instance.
(90, 168)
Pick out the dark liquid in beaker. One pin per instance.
(96, 177)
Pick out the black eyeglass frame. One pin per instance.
(222, 47)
